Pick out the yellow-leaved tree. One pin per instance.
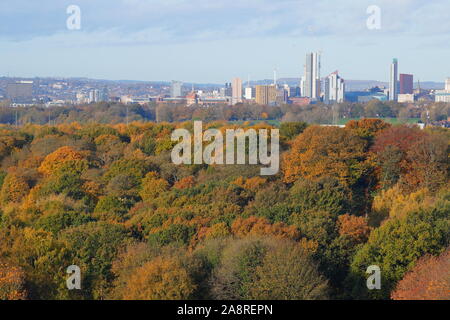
(163, 278)
(60, 157)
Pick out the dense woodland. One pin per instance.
(114, 113)
(106, 197)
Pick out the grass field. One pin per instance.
(388, 120)
(277, 123)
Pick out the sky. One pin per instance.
(213, 41)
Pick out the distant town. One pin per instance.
(311, 88)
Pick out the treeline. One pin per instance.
(108, 199)
(112, 113)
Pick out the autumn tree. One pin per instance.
(391, 147)
(185, 183)
(427, 163)
(326, 151)
(255, 226)
(14, 188)
(153, 186)
(429, 279)
(12, 282)
(61, 156)
(159, 279)
(353, 227)
(367, 128)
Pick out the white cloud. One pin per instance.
(107, 22)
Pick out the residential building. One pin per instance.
(266, 94)
(334, 89)
(236, 91)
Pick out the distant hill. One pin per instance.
(351, 85)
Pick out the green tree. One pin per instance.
(396, 246)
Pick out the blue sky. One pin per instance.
(216, 40)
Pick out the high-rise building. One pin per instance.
(302, 86)
(249, 93)
(236, 91)
(81, 97)
(94, 96)
(266, 95)
(104, 94)
(406, 83)
(393, 81)
(175, 89)
(19, 90)
(311, 84)
(294, 92)
(447, 84)
(334, 89)
(284, 93)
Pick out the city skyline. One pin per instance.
(196, 41)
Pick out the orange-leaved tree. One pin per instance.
(12, 282)
(60, 157)
(429, 279)
(163, 278)
(326, 151)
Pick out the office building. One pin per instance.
(19, 91)
(406, 83)
(175, 89)
(447, 84)
(311, 80)
(294, 92)
(266, 94)
(393, 81)
(236, 91)
(228, 90)
(302, 86)
(334, 89)
(283, 94)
